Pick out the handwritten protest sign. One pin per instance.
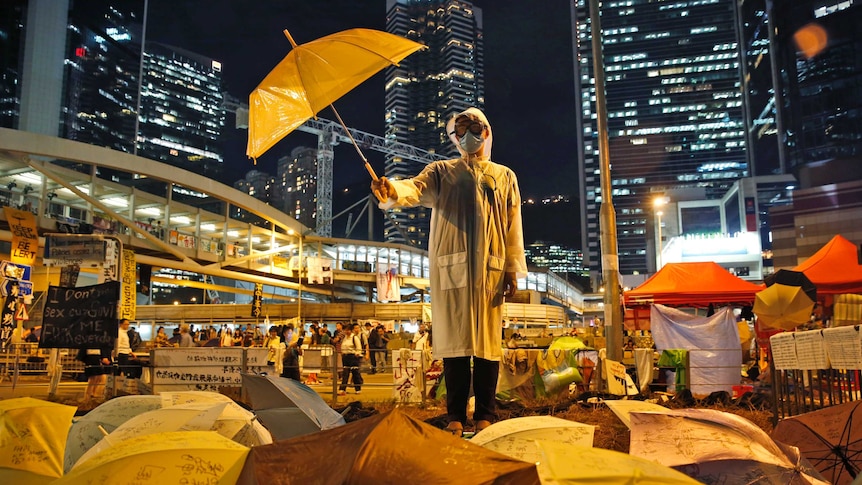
(25, 238)
(83, 317)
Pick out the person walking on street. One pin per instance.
(352, 353)
(128, 364)
(476, 253)
(377, 341)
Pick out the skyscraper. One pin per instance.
(675, 117)
(101, 81)
(297, 178)
(427, 88)
(181, 110)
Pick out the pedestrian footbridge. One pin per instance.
(213, 238)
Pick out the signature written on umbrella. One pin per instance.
(200, 471)
(23, 453)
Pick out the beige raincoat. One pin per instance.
(476, 236)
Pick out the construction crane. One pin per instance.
(329, 134)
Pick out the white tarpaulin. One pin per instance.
(712, 344)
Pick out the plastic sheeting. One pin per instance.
(712, 342)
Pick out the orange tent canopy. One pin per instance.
(834, 269)
(697, 284)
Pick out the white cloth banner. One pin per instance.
(712, 343)
(319, 270)
(388, 288)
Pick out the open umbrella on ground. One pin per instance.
(386, 448)
(90, 428)
(288, 408)
(717, 447)
(163, 458)
(186, 417)
(789, 277)
(830, 438)
(172, 398)
(782, 306)
(234, 422)
(566, 464)
(315, 74)
(32, 437)
(624, 407)
(510, 436)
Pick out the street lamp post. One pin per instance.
(658, 203)
(660, 242)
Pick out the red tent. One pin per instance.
(696, 284)
(835, 268)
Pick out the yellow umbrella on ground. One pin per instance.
(90, 428)
(162, 458)
(566, 464)
(315, 74)
(624, 407)
(783, 306)
(185, 417)
(509, 436)
(32, 440)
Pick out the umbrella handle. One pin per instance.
(370, 170)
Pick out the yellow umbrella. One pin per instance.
(783, 306)
(185, 417)
(624, 407)
(315, 74)
(162, 458)
(563, 464)
(90, 428)
(32, 440)
(509, 436)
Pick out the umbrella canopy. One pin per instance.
(508, 436)
(234, 422)
(386, 448)
(186, 417)
(566, 464)
(624, 407)
(782, 306)
(288, 408)
(86, 432)
(717, 447)
(830, 438)
(315, 74)
(32, 437)
(162, 458)
(793, 278)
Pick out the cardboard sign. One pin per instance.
(128, 304)
(83, 317)
(25, 237)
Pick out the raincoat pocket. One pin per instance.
(453, 270)
(495, 274)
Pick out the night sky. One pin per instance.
(529, 82)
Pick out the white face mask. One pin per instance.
(471, 143)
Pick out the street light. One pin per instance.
(658, 203)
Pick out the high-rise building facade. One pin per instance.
(182, 117)
(11, 32)
(675, 118)
(297, 178)
(556, 257)
(817, 46)
(101, 80)
(427, 88)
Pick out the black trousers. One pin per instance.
(129, 366)
(457, 376)
(351, 367)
